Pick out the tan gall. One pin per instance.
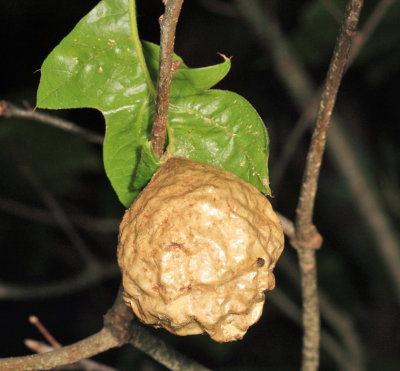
(197, 250)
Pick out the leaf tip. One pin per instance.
(265, 183)
(224, 57)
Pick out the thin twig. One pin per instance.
(162, 352)
(307, 238)
(84, 364)
(114, 333)
(168, 27)
(40, 347)
(118, 330)
(304, 226)
(86, 348)
(334, 316)
(43, 330)
(9, 110)
(301, 88)
(337, 320)
(343, 326)
(300, 128)
(292, 311)
(287, 225)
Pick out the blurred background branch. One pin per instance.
(9, 110)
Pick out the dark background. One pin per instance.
(350, 268)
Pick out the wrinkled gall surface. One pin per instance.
(197, 249)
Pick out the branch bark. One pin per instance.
(161, 351)
(97, 343)
(304, 227)
(343, 359)
(352, 356)
(307, 238)
(114, 333)
(84, 364)
(118, 329)
(165, 72)
(300, 87)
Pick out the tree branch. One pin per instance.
(301, 89)
(40, 347)
(161, 351)
(307, 239)
(168, 27)
(343, 359)
(84, 364)
(337, 320)
(9, 110)
(305, 230)
(95, 344)
(335, 317)
(300, 128)
(118, 330)
(114, 333)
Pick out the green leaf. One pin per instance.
(221, 128)
(186, 81)
(102, 64)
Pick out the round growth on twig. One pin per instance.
(197, 249)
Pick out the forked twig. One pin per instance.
(43, 330)
(118, 330)
(114, 333)
(40, 347)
